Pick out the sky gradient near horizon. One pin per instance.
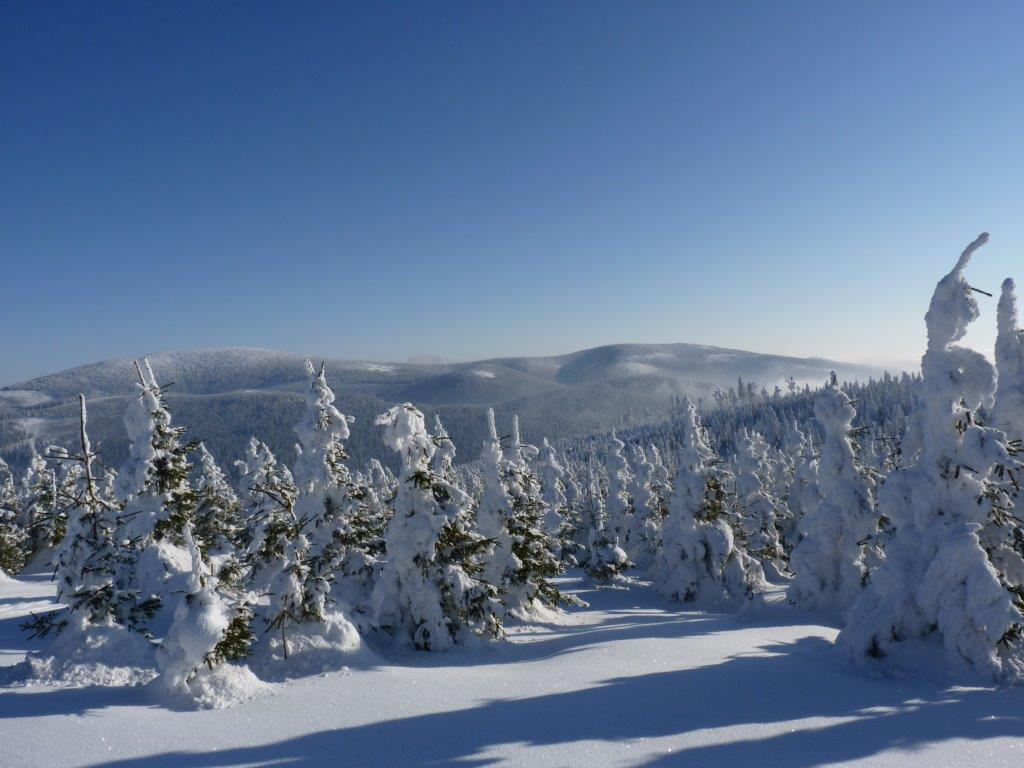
(468, 180)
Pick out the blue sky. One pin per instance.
(478, 179)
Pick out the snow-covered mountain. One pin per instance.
(224, 395)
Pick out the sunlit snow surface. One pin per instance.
(632, 680)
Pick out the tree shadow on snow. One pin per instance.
(771, 686)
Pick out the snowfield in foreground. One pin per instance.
(631, 681)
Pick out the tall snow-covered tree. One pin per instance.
(91, 561)
(758, 510)
(15, 546)
(645, 523)
(699, 558)
(337, 512)
(528, 584)
(155, 480)
(155, 488)
(277, 550)
(661, 484)
(829, 563)
(41, 513)
(218, 517)
(617, 505)
(1008, 410)
(427, 594)
(606, 560)
(939, 579)
(494, 513)
(560, 519)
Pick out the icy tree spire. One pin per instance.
(495, 511)
(426, 595)
(1008, 411)
(939, 578)
(828, 563)
(519, 453)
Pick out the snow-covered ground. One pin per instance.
(632, 680)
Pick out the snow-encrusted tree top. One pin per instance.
(518, 451)
(443, 462)
(140, 423)
(957, 371)
(321, 432)
(1008, 412)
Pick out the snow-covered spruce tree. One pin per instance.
(606, 560)
(699, 558)
(555, 502)
(829, 564)
(155, 479)
(40, 512)
(158, 499)
(91, 560)
(1008, 411)
(781, 476)
(528, 586)
(617, 506)
(661, 486)
(15, 546)
(561, 521)
(428, 595)
(803, 493)
(211, 625)
(645, 522)
(494, 513)
(277, 550)
(339, 514)
(218, 518)
(938, 578)
(383, 482)
(757, 510)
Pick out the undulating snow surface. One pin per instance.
(630, 681)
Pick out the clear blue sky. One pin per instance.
(478, 179)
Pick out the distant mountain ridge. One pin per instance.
(226, 394)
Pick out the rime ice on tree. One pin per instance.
(426, 595)
(699, 558)
(1008, 411)
(937, 578)
(828, 563)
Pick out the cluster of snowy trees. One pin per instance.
(901, 526)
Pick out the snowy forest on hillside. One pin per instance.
(890, 506)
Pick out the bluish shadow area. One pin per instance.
(777, 684)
